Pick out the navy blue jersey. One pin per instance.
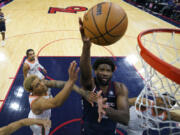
(2, 23)
(90, 114)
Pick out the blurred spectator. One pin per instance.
(168, 10)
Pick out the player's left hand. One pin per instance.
(92, 97)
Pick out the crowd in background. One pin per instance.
(167, 8)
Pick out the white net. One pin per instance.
(158, 104)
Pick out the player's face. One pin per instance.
(31, 56)
(103, 74)
(164, 102)
(39, 86)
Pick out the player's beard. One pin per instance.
(101, 81)
(31, 59)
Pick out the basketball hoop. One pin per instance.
(160, 65)
(159, 51)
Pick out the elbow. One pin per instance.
(126, 121)
(127, 118)
(56, 104)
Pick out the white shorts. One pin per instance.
(37, 130)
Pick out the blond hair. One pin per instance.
(28, 81)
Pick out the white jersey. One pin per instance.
(34, 68)
(37, 129)
(137, 124)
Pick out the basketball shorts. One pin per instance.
(38, 130)
(2, 27)
(93, 129)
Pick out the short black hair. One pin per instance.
(27, 52)
(172, 98)
(104, 60)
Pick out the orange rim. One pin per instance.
(168, 70)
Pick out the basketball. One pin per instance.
(105, 23)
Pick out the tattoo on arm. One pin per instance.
(82, 92)
(55, 84)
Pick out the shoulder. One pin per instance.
(26, 61)
(25, 65)
(120, 88)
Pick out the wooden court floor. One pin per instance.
(29, 25)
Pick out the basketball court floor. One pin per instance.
(51, 28)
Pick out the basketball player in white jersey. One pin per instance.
(40, 102)
(32, 66)
(12, 127)
(137, 125)
(2, 27)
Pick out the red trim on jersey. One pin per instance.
(33, 101)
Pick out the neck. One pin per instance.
(30, 60)
(104, 89)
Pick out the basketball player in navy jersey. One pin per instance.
(115, 92)
(158, 109)
(2, 27)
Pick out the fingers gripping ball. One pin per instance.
(105, 23)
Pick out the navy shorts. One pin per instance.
(93, 129)
(2, 26)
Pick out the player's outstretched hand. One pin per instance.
(86, 40)
(101, 105)
(73, 71)
(92, 97)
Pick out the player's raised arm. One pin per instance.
(42, 104)
(85, 61)
(12, 127)
(25, 70)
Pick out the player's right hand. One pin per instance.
(92, 97)
(85, 39)
(101, 105)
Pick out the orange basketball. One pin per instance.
(105, 23)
